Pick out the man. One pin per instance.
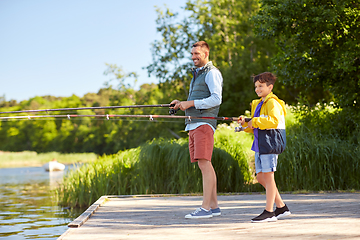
(204, 100)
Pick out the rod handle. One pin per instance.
(172, 111)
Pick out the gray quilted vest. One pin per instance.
(199, 90)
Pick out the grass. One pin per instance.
(33, 159)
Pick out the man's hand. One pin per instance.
(182, 105)
(175, 103)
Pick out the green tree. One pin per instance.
(319, 45)
(43, 133)
(226, 26)
(236, 51)
(120, 134)
(120, 76)
(171, 54)
(91, 134)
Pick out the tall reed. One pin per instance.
(107, 175)
(166, 168)
(238, 145)
(318, 162)
(159, 166)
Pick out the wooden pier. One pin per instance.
(314, 216)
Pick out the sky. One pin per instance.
(61, 47)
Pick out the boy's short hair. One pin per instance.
(202, 44)
(266, 77)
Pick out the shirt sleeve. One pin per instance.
(214, 82)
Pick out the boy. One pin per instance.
(268, 126)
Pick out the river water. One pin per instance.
(28, 207)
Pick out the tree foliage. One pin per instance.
(319, 45)
(90, 134)
(226, 26)
(312, 45)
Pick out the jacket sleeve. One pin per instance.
(272, 116)
(248, 130)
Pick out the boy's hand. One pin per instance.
(241, 120)
(250, 124)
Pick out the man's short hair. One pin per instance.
(202, 44)
(266, 77)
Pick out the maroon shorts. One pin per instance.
(201, 143)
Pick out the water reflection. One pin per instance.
(28, 208)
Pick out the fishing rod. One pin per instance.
(87, 108)
(151, 117)
(108, 116)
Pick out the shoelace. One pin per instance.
(196, 211)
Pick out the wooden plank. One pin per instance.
(87, 214)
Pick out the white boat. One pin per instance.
(54, 166)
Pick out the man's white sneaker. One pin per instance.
(200, 213)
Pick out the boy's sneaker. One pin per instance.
(200, 213)
(216, 212)
(282, 212)
(265, 217)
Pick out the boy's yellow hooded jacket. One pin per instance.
(271, 124)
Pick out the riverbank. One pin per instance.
(314, 216)
(34, 159)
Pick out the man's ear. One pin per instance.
(206, 54)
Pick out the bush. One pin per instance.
(327, 119)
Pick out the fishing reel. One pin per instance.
(172, 111)
(241, 128)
